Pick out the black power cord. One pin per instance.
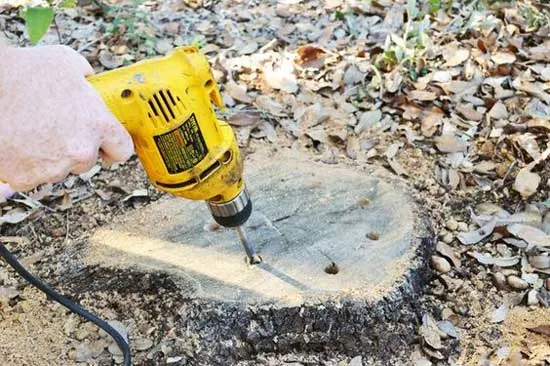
(72, 306)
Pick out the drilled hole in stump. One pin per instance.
(332, 269)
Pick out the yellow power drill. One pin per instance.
(165, 103)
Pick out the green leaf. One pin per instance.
(38, 21)
(412, 10)
(338, 15)
(64, 4)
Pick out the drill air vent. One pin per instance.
(165, 105)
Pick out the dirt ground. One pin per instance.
(458, 108)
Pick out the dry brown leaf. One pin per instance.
(478, 235)
(449, 253)
(110, 61)
(265, 129)
(485, 167)
(500, 58)
(528, 142)
(483, 258)
(454, 57)
(311, 56)
(318, 134)
(430, 332)
(393, 81)
(248, 48)
(506, 261)
(103, 194)
(411, 111)
(368, 120)
(269, 105)
(353, 147)
(353, 75)
(16, 216)
(459, 87)
(539, 123)
(526, 182)
(540, 52)
(238, 92)
(281, 77)
(533, 89)
(245, 119)
(531, 235)
(442, 76)
(422, 95)
(431, 121)
(136, 193)
(163, 46)
(66, 202)
(540, 261)
(450, 144)
(469, 112)
(541, 329)
(498, 111)
(310, 116)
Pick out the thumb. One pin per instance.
(117, 144)
(5, 190)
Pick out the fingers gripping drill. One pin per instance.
(165, 104)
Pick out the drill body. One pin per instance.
(166, 104)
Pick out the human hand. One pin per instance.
(53, 120)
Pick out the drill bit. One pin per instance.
(253, 258)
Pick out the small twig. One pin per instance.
(67, 228)
(35, 235)
(57, 29)
(85, 46)
(500, 183)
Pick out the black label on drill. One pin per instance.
(183, 147)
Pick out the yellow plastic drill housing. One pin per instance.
(165, 103)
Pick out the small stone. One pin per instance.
(451, 224)
(499, 280)
(70, 325)
(462, 226)
(118, 359)
(356, 361)
(172, 28)
(83, 352)
(114, 349)
(502, 169)
(373, 235)
(6, 294)
(448, 238)
(532, 298)
(23, 307)
(98, 347)
(142, 344)
(517, 283)
(72, 355)
(81, 334)
(440, 264)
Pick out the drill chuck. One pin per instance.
(233, 213)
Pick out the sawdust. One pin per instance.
(41, 322)
(514, 337)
